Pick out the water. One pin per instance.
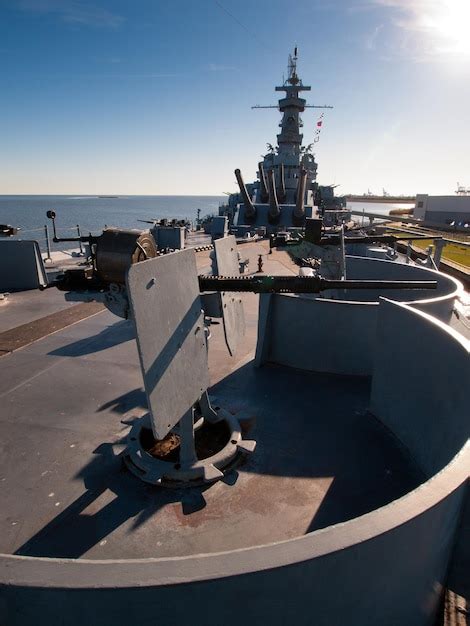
(93, 213)
(383, 208)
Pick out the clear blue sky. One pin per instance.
(154, 96)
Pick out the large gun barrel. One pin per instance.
(250, 210)
(299, 211)
(264, 194)
(281, 185)
(302, 284)
(274, 211)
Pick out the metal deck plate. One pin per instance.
(65, 494)
(233, 315)
(164, 296)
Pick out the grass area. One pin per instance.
(452, 251)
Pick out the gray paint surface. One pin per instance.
(386, 567)
(261, 219)
(457, 218)
(438, 302)
(23, 307)
(170, 335)
(338, 336)
(393, 576)
(226, 256)
(427, 407)
(319, 335)
(21, 265)
(169, 237)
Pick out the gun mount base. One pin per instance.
(218, 446)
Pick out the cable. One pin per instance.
(243, 26)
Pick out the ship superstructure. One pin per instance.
(290, 158)
(286, 191)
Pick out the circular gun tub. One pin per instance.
(438, 302)
(336, 333)
(346, 513)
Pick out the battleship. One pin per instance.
(286, 191)
(184, 442)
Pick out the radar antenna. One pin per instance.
(293, 79)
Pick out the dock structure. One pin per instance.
(453, 211)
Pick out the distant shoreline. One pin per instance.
(386, 199)
(121, 196)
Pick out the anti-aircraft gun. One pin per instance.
(171, 306)
(324, 249)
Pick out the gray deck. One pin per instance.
(26, 306)
(67, 398)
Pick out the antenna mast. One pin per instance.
(293, 79)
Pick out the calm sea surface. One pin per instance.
(93, 213)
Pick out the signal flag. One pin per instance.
(318, 129)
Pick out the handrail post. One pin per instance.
(438, 247)
(408, 251)
(80, 241)
(48, 259)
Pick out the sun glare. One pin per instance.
(448, 24)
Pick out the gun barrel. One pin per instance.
(299, 211)
(250, 210)
(302, 284)
(264, 194)
(334, 240)
(274, 211)
(281, 186)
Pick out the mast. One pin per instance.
(286, 192)
(290, 138)
(289, 157)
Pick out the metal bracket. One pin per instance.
(189, 470)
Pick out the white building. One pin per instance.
(446, 210)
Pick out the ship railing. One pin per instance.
(45, 241)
